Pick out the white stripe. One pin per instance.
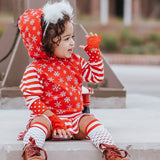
(85, 73)
(84, 65)
(30, 68)
(70, 116)
(68, 123)
(92, 124)
(28, 92)
(30, 102)
(75, 128)
(40, 126)
(30, 75)
(31, 80)
(28, 87)
(98, 78)
(96, 63)
(97, 71)
(31, 97)
(90, 76)
(33, 86)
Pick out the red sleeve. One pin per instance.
(32, 89)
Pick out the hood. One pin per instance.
(30, 28)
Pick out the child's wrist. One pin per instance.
(56, 122)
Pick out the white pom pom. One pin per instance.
(53, 12)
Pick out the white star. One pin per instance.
(48, 94)
(30, 46)
(39, 70)
(57, 104)
(69, 78)
(34, 38)
(67, 99)
(69, 106)
(61, 80)
(56, 73)
(38, 49)
(63, 93)
(50, 69)
(50, 79)
(56, 87)
(73, 88)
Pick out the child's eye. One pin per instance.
(66, 39)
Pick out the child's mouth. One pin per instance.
(70, 50)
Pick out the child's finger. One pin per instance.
(87, 36)
(54, 132)
(82, 47)
(63, 133)
(68, 133)
(91, 34)
(59, 131)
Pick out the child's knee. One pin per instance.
(43, 120)
(84, 121)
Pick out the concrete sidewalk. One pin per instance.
(135, 128)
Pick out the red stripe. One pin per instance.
(96, 125)
(90, 124)
(40, 127)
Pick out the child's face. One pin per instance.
(66, 45)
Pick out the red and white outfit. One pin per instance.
(54, 83)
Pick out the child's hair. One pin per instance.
(53, 30)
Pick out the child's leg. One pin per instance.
(91, 127)
(100, 137)
(39, 131)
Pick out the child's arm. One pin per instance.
(93, 71)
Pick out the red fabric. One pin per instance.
(31, 32)
(57, 123)
(50, 82)
(93, 42)
(38, 107)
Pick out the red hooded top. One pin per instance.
(50, 82)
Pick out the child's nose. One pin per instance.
(72, 42)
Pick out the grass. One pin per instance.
(5, 19)
(140, 38)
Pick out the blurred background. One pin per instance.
(137, 34)
(130, 32)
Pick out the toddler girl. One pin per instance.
(52, 83)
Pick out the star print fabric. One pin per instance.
(55, 83)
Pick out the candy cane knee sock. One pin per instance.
(38, 132)
(98, 134)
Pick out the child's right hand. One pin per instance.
(61, 133)
(59, 127)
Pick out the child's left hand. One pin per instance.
(93, 42)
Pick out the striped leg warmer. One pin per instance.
(98, 134)
(38, 132)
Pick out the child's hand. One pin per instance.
(93, 42)
(61, 133)
(59, 128)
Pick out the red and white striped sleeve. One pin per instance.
(93, 70)
(32, 91)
